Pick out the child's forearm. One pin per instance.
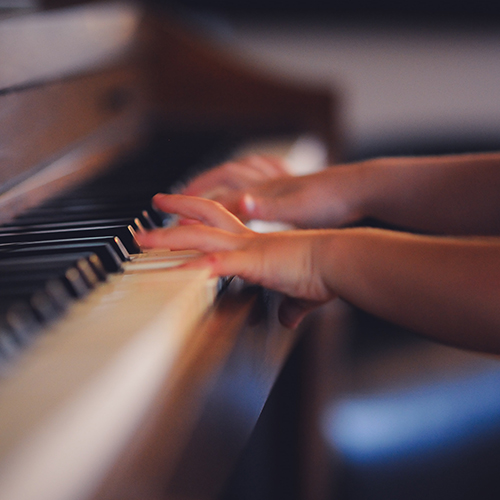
(457, 194)
(448, 289)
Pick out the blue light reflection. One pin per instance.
(436, 417)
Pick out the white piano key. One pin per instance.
(75, 397)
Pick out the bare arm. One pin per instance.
(457, 194)
(450, 194)
(445, 288)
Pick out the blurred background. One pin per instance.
(413, 76)
(410, 419)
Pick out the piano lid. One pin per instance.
(59, 43)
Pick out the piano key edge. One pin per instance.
(192, 438)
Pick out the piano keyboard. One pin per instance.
(61, 250)
(82, 387)
(88, 321)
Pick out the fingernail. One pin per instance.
(249, 203)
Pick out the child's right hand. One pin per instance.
(287, 261)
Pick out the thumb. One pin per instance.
(254, 207)
(292, 311)
(280, 207)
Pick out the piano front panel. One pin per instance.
(85, 117)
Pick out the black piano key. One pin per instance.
(44, 308)
(19, 321)
(42, 261)
(95, 264)
(91, 204)
(54, 289)
(107, 256)
(91, 201)
(125, 233)
(42, 305)
(149, 217)
(23, 226)
(113, 241)
(71, 277)
(8, 346)
(49, 264)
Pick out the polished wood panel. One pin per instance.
(194, 434)
(89, 118)
(36, 124)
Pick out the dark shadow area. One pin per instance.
(425, 146)
(269, 466)
(424, 9)
(472, 473)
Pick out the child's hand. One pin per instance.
(236, 175)
(230, 182)
(259, 187)
(287, 262)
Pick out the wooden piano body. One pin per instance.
(164, 411)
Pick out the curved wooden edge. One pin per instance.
(203, 417)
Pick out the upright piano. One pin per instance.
(120, 376)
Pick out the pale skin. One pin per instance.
(447, 288)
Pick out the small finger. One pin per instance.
(292, 310)
(205, 182)
(207, 212)
(229, 175)
(270, 166)
(190, 237)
